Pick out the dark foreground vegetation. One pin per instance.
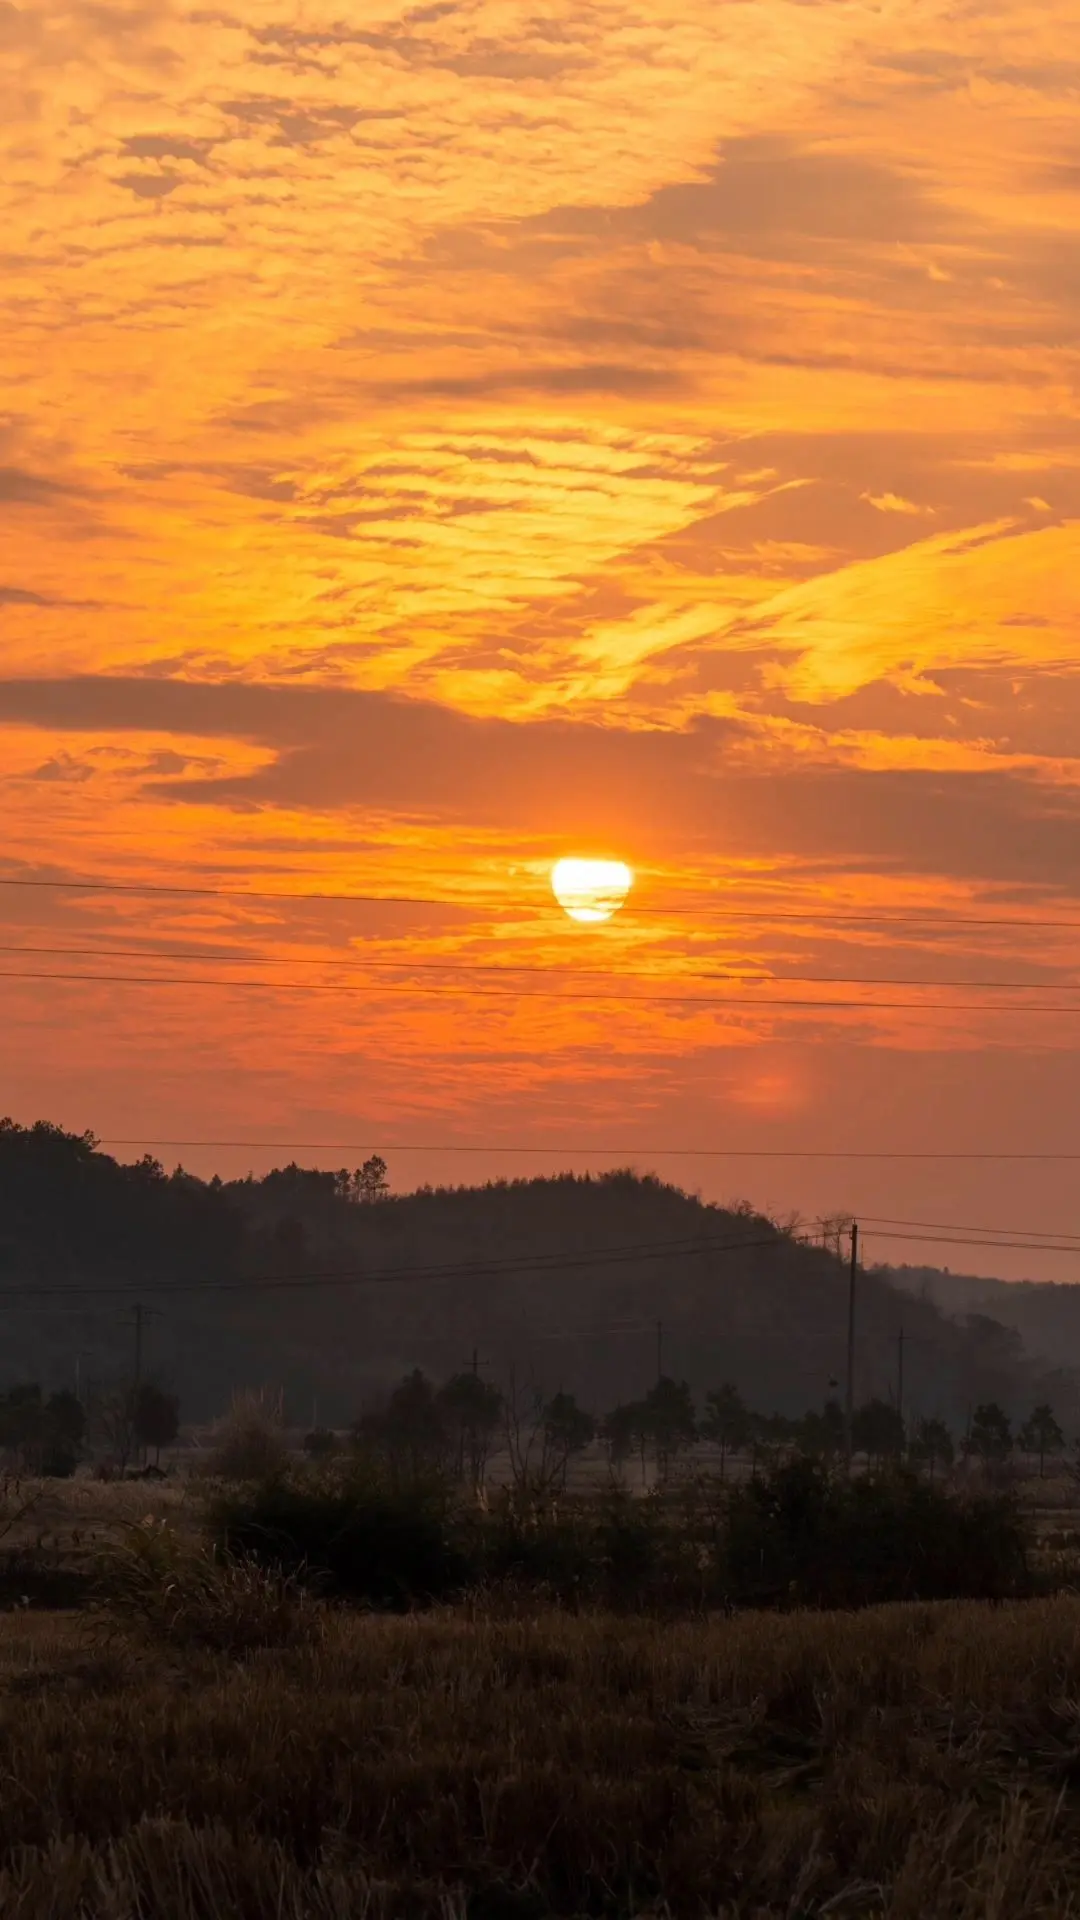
(914, 1763)
(324, 1693)
(798, 1536)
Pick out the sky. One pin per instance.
(435, 440)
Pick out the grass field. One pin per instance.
(912, 1762)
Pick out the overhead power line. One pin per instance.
(558, 1262)
(360, 963)
(954, 1226)
(957, 1240)
(807, 1005)
(709, 908)
(583, 1150)
(691, 1246)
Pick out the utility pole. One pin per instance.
(849, 1398)
(475, 1361)
(659, 1351)
(900, 1384)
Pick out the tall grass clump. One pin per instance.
(249, 1443)
(177, 1592)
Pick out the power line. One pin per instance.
(730, 909)
(509, 993)
(585, 1151)
(510, 968)
(953, 1240)
(688, 1245)
(955, 1226)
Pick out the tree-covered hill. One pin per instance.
(323, 1284)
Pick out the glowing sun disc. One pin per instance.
(591, 890)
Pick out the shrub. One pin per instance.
(798, 1536)
(352, 1536)
(59, 1462)
(250, 1444)
(802, 1535)
(614, 1551)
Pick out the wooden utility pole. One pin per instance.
(849, 1397)
(659, 1351)
(138, 1344)
(900, 1383)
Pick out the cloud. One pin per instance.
(149, 186)
(691, 793)
(18, 487)
(894, 503)
(24, 597)
(586, 378)
(65, 769)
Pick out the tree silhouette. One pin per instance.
(568, 1429)
(470, 1410)
(726, 1421)
(410, 1432)
(670, 1421)
(371, 1180)
(878, 1430)
(155, 1417)
(1041, 1434)
(626, 1430)
(932, 1443)
(991, 1433)
(820, 1435)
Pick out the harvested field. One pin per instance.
(918, 1762)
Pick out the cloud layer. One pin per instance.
(439, 439)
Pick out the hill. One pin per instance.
(1044, 1313)
(299, 1280)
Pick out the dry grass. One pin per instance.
(919, 1763)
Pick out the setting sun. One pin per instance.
(591, 890)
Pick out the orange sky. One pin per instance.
(437, 439)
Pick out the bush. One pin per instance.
(802, 1536)
(617, 1552)
(250, 1444)
(797, 1537)
(59, 1461)
(350, 1535)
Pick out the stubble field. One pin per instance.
(914, 1762)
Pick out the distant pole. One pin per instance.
(900, 1383)
(138, 1343)
(849, 1398)
(78, 1376)
(659, 1351)
(475, 1361)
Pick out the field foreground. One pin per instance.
(916, 1762)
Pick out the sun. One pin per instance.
(591, 890)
